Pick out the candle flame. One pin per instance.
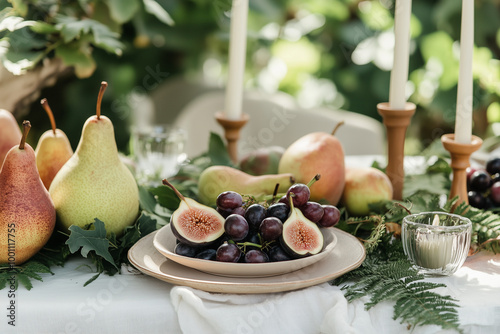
(435, 221)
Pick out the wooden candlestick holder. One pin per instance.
(460, 154)
(396, 122)
(232, 132)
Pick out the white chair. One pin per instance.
(277, 120)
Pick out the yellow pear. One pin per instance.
(52, 151)
(27, 213)
(10, 134)
(94, 182)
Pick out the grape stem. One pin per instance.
(248, 243)
(314, 179)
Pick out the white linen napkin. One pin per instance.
(301, 311)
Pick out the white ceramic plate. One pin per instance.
(165, 241)
(347, 255)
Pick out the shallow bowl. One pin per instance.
(165, 241)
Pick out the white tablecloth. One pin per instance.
(135, 303)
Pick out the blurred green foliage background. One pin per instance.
(335, 52)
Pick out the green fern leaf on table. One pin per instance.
(386, 275)
(485, 228)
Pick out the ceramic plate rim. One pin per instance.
(241, 269)
(176, 273)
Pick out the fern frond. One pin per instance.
(485, 227)
(386, 275)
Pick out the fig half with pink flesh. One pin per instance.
(193, 223)
(301, 237)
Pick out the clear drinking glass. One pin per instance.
(158, 150)
(437, 243)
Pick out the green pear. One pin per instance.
(27, 213)
(94, 182)
(365, 186)
(52, 151)
(10, 134)
(217, 179)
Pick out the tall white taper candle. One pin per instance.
(399, 73)
(237, 57)
(463, 117)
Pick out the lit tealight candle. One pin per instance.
(434, 248)
(436, 242)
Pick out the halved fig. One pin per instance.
(301, 237)
(193, 223)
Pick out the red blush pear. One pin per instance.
(27, 213)
(317, 153)
(10, 134)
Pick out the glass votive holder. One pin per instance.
(159, 151)
(437, 243)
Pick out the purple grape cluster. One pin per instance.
(483, 186)
(252, 230)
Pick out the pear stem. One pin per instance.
(45, 105)
(314, 179)
(26, 130)
(339, 124)
(104, 85)
(166, 183)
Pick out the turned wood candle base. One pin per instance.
(460, 154)
(232, 132)
(396, 122)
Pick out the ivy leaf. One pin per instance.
(146, 224)
(146, 199)
(73, 29)
(143, 226)
(217, 151)
(6, 11)
(80, 58)
(154, 8)
(18, 62)
(20, 7)
(106, 39)
(123, 11)
(90, 240)
(25, 40)
(166, 197)
(13, 23)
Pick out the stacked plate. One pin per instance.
(153, 255)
